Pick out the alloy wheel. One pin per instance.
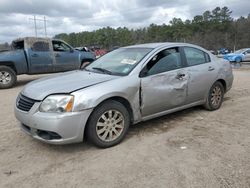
(5, 77)
(216, 96)
(110, 125)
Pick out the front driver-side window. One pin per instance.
(165, 60)
(60, 46)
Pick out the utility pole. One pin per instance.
(45, 26)
(35, 24)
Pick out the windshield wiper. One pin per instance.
(102, 70)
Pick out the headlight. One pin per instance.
(57, 103)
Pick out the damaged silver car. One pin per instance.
(124, 87)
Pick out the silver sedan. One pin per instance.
(124, 87)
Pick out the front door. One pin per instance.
(163, 83)
(66, 58)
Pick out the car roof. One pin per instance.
(159, 45)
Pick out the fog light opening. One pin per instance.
(48, 135)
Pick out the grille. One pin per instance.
(25, 103)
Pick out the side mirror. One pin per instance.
(71, 50)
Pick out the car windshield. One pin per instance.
(119, 62)
(239, 51)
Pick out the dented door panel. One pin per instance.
(201, 79)
(163, 91)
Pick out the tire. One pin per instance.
(238, 60)
(7, 77)
(102, 129)
(215, 96)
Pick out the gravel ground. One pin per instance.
(191, 148)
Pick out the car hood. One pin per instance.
(63, 83)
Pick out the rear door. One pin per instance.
(202, 73)
(40, 57)
(66, 58)
(163, 83)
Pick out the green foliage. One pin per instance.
(212, 30)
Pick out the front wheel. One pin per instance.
(238, 60)
(7, 77)
(215, 96)
(108, 124)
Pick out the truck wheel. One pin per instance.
(7, 77)
(108, 124)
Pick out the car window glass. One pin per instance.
(17, 45)
(165, 60)
(207, 57)
(195, 56)
(60, 46)
(120, 61)
(40, 46)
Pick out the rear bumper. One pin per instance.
(53, 128)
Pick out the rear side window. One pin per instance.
(165, 60)
(195, 56)
(18, 45)
(40, 46)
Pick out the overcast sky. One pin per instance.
(65, 16)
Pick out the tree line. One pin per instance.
(212, 30)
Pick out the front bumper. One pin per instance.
(53, 128)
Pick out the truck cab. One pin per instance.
(32, 55)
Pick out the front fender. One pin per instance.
(124, 87)
(15, 59)
(86, 55)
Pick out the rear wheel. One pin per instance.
(108, 124)
(215, 96)
(7, 77)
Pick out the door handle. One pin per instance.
(57, 55)
(180, 76)
(210, 68)
(34, 55)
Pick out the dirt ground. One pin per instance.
(191, 148)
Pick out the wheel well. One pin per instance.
(223, 82)
(123, 101)
(9, 64)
